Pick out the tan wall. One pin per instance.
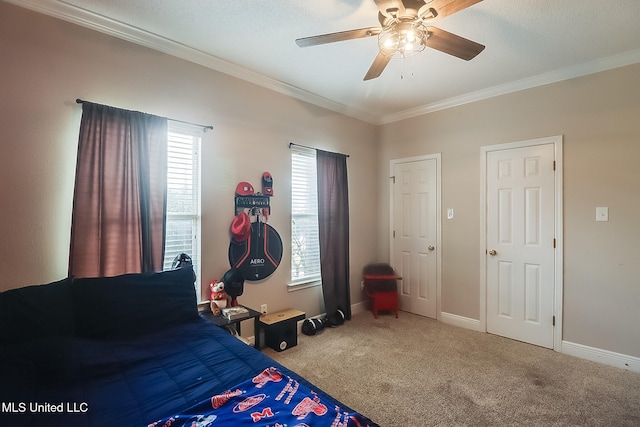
(47, 64)
(599, 117)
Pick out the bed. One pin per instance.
(133, 350)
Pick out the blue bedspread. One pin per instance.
(271, 398)
(131, 380)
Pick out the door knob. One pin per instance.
(493, 252)
(431, 247)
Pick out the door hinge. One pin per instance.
(393, 178)
(554, 243)
(554, 165)
(554, 321)
(394, 234)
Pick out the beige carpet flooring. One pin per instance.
(415, 371)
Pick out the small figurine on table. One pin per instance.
(219, 298)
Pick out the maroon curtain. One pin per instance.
(119, 204)
(333, 227)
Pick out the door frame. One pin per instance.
(392, 163)
(558, 255)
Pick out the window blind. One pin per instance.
(305, 250)
(183, 194)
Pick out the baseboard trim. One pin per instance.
(606, 357)
(359, 307)
(463, 322)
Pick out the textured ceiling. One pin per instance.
(528, 43)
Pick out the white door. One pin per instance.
(520, 237)
(415, 233)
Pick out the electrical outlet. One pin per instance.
(263, 308)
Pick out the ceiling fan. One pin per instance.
(404, 34)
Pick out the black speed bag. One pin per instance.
(258, 256)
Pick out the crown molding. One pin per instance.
(555, 76)
(61, 10)
(100, 23)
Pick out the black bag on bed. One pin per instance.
(181, 260)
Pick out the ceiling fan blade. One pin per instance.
(377, 67)
(390, 7)
(452, 44)
(447, 7)
(337, 37)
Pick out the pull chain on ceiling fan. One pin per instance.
(403, 32)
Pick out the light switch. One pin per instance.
(602, 214)
(449, 213)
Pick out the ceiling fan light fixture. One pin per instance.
(403, 33)
(402, 39)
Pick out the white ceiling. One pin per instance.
(528, 43)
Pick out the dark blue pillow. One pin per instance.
(133, 303)
(36, 311)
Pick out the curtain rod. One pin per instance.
(204, 127)
(311, 148)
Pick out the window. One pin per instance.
(305, 249)
(183, 195)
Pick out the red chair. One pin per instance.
(381, 286)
